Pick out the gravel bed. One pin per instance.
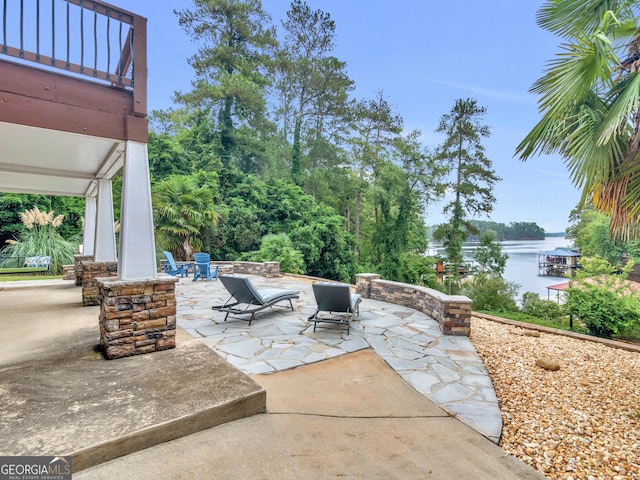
(579, 422)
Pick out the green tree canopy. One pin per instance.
(313, 84)
(590, 232)
(232, 65)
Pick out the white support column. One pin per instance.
(89, 234)
(105, 244)
(137, 244)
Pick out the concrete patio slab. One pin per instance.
(59, 396)
(351, 416)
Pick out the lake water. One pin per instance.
(522, 265)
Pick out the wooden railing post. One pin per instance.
(140, 67)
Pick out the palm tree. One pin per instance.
(590, 105)
(182, 211)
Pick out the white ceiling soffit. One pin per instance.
(50, 162)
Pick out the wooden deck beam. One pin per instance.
(40, 98)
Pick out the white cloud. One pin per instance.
(479, 90)
(549, 174)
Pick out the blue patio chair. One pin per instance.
(172, 268)
(202, 267)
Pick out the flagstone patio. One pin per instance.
(445, 369)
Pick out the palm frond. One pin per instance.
(582, 68)
(564, 17)
(626, 99)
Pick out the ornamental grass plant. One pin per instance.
(41, 238)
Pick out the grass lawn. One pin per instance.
(561, 324)
(16, 278)
(632, 333)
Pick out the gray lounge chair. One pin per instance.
(338, 301)
(246, 299)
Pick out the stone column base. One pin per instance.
(363, 283)
(69, 272)
(77, 266)
(137, 316)
(90, 272)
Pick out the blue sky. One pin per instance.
(423, 54)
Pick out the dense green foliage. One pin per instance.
(600, 298)
(590, 233)
(604, 303)
(604, 308)
(513, 231)
(292, 153)
(268, 144)
(12, 205)
(183, 209)
(486, 287)
(488, 255)
(278, 248)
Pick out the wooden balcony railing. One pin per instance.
(86, 38)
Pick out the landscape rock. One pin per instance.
(548, 364)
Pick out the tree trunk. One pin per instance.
(296, 154)
(356, 230)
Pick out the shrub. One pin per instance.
(418, 270)
(488, 255)
(491, 292)
(278, 248)
(605, 304)
(630, 332)
(533, 305)
(605, 309)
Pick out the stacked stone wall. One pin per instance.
(453, 312)
(266, 269)
(91, 271)
(137, 316)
